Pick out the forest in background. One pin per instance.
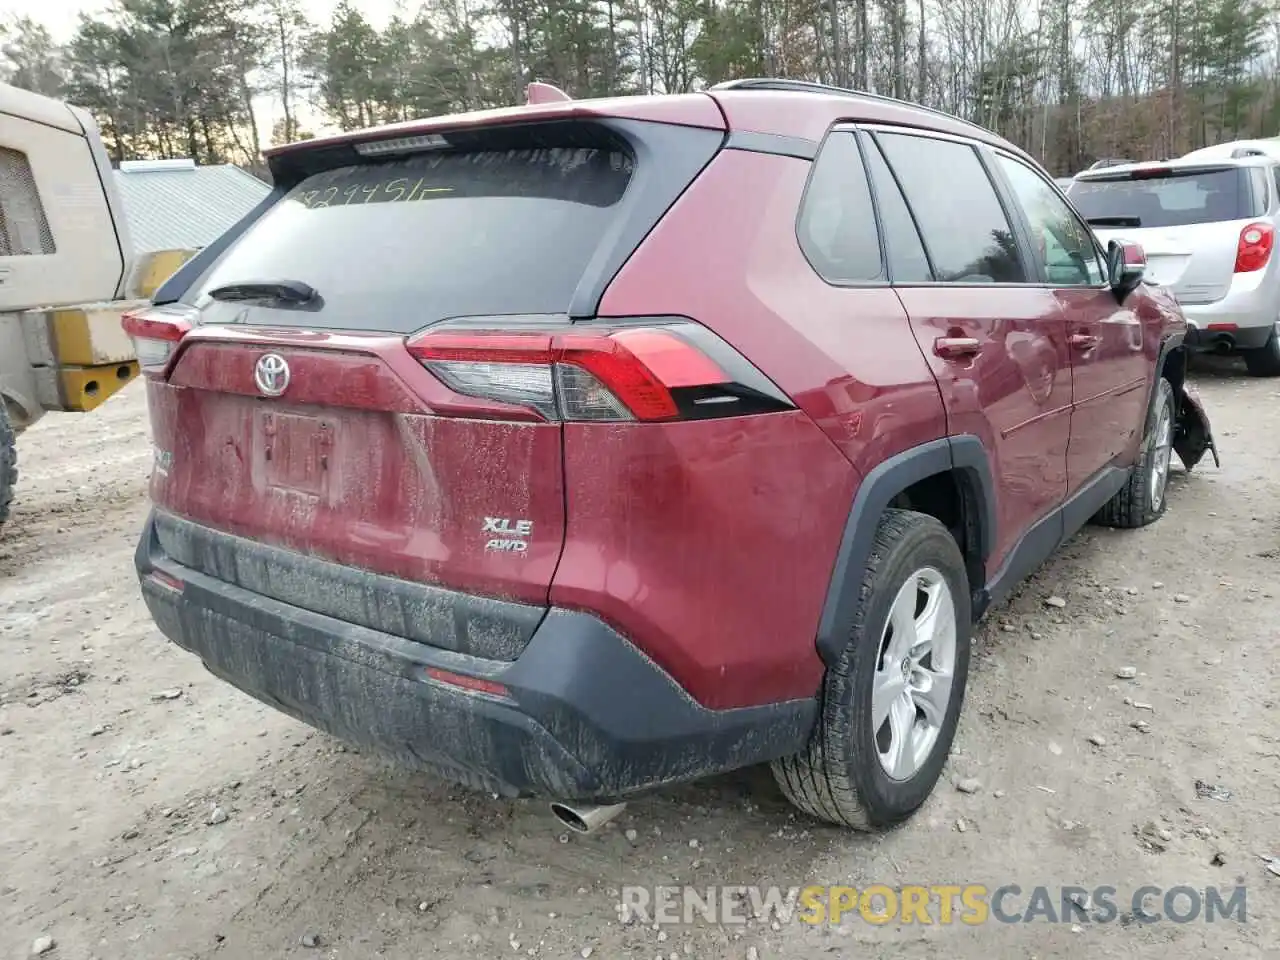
(1068, 80)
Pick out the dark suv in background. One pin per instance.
(583, 447)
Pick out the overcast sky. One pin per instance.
(60, 16)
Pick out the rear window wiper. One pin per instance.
(282, 291)
(1114, 221)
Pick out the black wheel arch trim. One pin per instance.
(1171, 341)
(964, 455)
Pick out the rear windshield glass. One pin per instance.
(397, 245)
(1168, 201)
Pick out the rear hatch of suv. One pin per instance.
(327, 432)
(1191, 220)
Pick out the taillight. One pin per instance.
(156, 332)
(1254, 249)
(476, 684)
(643, 371)
(167, 581)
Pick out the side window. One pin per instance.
(1275, 173)
(1261, 202)
(908, 262)
(963, 225)
(24, 230)
(1063, 244)
(837, 226)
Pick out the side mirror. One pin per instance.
(1126, 266)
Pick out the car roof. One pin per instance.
(778, 107)
(1268, 147)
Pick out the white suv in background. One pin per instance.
(1208, 226)
(1266, 147)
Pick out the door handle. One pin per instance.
(957, 348)
(1084, 341)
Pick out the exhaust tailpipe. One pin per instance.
(585, 819)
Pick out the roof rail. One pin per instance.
(1239, 152)
(807, 86)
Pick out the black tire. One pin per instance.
(1265, 360)
(8, 463)
(1134, 505)
(839, 776)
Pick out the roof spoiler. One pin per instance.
(538, 92)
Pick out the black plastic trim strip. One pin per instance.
(799, 147)
(668, 158)
(424, 613)
(1050, 532)
(176, 287)
(964, 454)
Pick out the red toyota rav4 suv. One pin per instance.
(582, 447)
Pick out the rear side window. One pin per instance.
(401, 244)
(963, 225)
(907, 260)
(837, 225)
(1260, 183)
(1168, 197)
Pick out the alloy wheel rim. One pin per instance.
(1161, 457)
(914, 674)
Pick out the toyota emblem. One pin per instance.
(271, 374)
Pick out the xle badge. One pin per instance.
(509, 535)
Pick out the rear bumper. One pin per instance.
(1229, 338)
(1242, 319)
(585, 714)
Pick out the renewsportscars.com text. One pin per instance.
(943, 904)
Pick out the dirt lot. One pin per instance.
(148, 810)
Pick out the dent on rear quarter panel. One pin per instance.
(709, 545)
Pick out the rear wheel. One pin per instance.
(1142, 499)
(891, 703)
(8, 463)
(1264, 361)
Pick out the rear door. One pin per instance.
(1112, 352)
(1188, 220)
(58, 241)
(297, 414)
(996, 342)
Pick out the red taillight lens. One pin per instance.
(167, 581)
(156, 332)
(617, 363)
(475, 684)
(649, 373)
(1254, 249)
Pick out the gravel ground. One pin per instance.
(149, 810)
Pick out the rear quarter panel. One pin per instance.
(757, 567)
